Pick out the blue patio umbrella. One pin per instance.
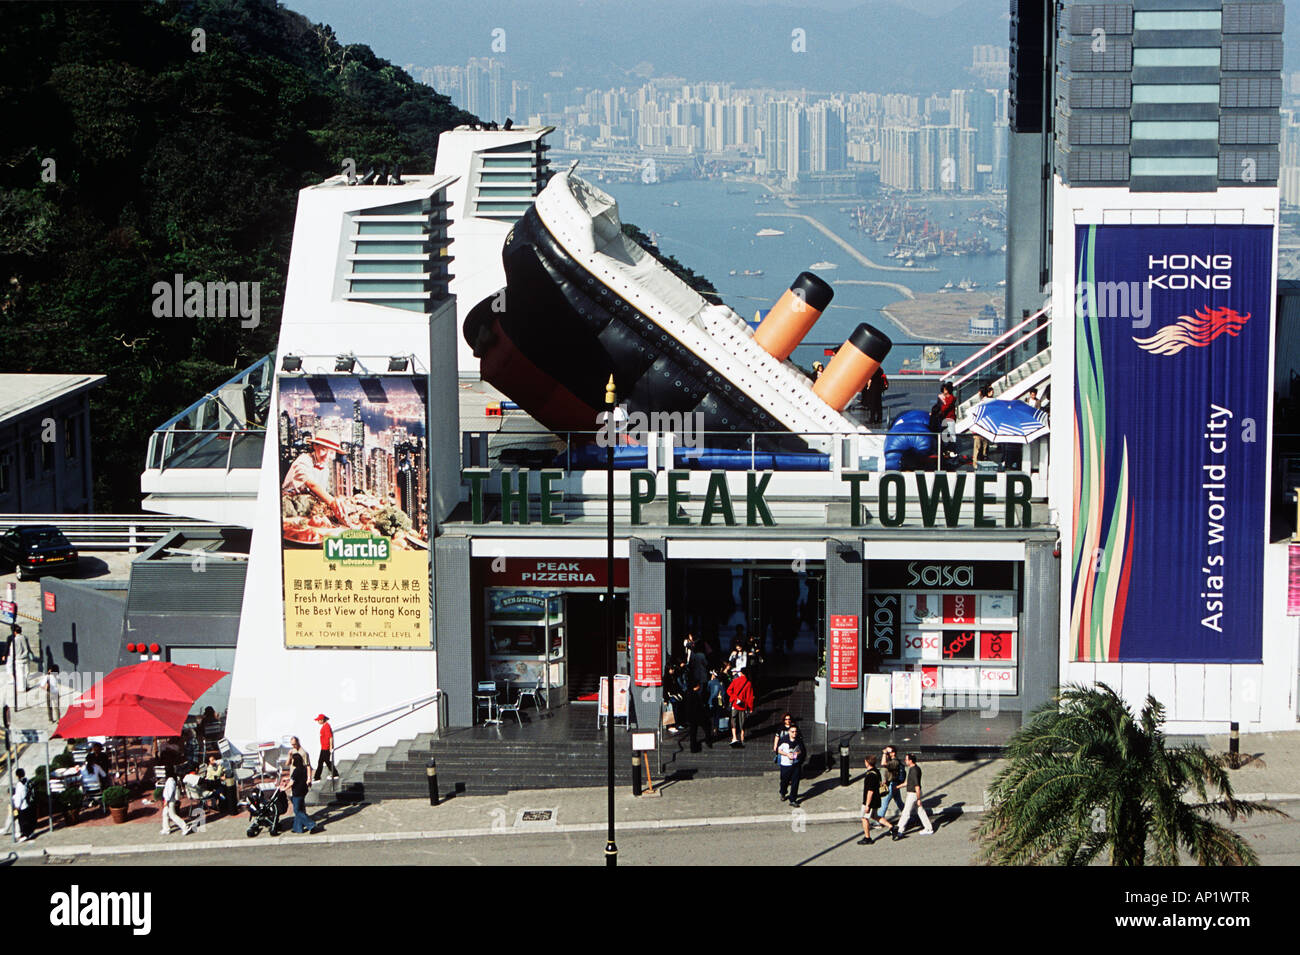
(1008, 422)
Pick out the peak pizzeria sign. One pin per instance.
(889, 499)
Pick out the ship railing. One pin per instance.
(224, 429)
(824, 452)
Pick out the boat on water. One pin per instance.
(748, 273)
(583, 302)
(765, 233)
(824, 266)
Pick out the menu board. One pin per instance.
(906, 690)
(648, 655)
(622, 691)
(843, 662)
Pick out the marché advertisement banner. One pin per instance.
(354, 511)
(1172, 330)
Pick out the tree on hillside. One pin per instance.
(165, 160)
(1086, 780)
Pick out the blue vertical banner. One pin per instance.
(1173, 328)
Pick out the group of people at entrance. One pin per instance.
(887, 780)
(707, 694)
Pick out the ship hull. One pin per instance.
(558, 333)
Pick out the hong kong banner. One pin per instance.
(1172, 330)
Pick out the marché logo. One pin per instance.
(357, 549)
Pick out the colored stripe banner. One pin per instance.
(1172, 332)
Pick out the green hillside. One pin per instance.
(168, 160)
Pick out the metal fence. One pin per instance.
(88, 532)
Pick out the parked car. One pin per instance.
(35, 550)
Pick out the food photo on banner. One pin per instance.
(1171, 405)
(353, 507)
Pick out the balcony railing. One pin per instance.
(224, 429)
(713, 451)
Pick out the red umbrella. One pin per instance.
(126, 714)
(159, 680)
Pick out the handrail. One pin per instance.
(1007, 334)
(970, 374)
(403, 709)
(213, 393)
(109, 531)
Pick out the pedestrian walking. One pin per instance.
(171, 799)
(24, 810)
(740, 695)
(913, 786)
(697, 695)
(298, 786)
(870, 798)
(892, 774)
(295, 746)
(790, 757)
(326, 748)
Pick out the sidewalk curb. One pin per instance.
(691, 822)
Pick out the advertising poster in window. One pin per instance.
(353, 509)
(1173, 328)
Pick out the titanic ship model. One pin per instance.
(582, 301)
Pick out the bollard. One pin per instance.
(431, 771)
(844, 763)
(636, 774)
(1234, 738)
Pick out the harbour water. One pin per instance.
(710, 226)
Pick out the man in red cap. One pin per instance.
(326, 748)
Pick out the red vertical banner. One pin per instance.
(648, 648)
(843, 662)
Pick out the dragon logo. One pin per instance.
(1196, 332)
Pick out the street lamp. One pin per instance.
(611, 850)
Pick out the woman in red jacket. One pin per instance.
(740, 693)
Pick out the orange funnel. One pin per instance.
(793, 316)
(852, 367)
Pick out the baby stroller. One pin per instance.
(265, 804)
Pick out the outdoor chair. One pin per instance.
(508, 707)
(536, 692)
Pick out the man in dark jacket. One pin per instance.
(697, 690)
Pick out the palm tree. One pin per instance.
(1084, 777)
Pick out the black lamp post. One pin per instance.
(611, 849)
